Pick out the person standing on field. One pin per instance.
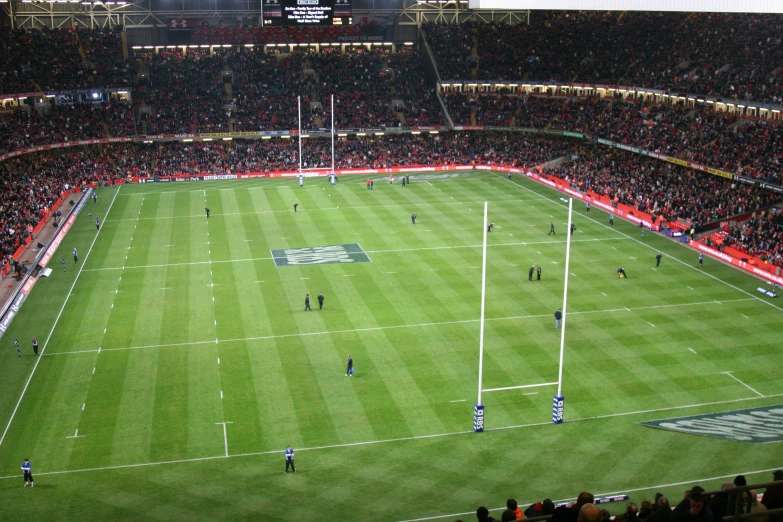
(551, 228)
(321, 301)
(307, 303)
(35, 345)
(349, 369)
(558, 318)
(289, 459)
(658, 259)
(27, 469)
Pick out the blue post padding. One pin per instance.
(558, 404)
(478, 418)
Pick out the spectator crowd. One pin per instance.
(735, 56)
(695, 506)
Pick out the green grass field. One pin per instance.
(173, 324)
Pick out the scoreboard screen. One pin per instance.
(304, 12)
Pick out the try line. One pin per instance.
(277, 452)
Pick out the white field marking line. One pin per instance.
(393, 327)
(742, 383)
(194, 216)
(423, 437)
(56, 320)
(604, 294)
(520, 387)
(428, 183)
(745, 316)
(611, 493)
(460, 400)
(530, 393)
(75, 435)
(690, 288)
(694, 351)
(648, 322)
(93, 371)
(673, 257)
(225, 436)
(246, 259)
(83, 405)
(221, 394)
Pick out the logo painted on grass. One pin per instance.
(754, 425)
(321, 255)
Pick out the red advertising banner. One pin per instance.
(733, 261)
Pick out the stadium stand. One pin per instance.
(734, 56)
(760, 236)
(663, 190)
(698, 134)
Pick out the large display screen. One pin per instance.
(304, 12)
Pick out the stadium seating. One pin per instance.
(761, 236)
(735, 56)
(661, 189)
(698, 134)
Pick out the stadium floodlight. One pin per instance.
(206, 139)
(266, 137)
(408, 43)
(227, 139)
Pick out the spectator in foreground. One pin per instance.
(590, 513)
(482, 514)
(570, 513)
(698, 511)
(773, 496)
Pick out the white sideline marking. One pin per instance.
(93, 371)
(221, 394)
(530, 393)
(303, 278)
(742, 383)
(56, 320)
(537, 252)
(218, 360)
(717, 301)
(745, 316)
(573, 274)
(104, 330)
(520, 387)
(83, 405)
(613, 248)
(394, 327)
(460, 400)
(633, 258)
(604, 294)
(75, 435)
(648, 322)
(431, 436)
(694, 351)
(690, 288)
(112, 305)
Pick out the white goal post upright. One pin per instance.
(558, 403)
(478, 409)
(332, 132)
(299, 110)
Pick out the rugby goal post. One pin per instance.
(558, 401)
